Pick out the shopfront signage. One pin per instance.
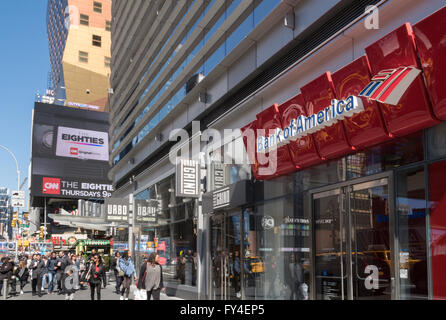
(302, 125)
(187, 178)
(94, 242)
(235, 195)
(218, 175)
(267, 222)
(392, 91)
(146, 211)
(117, 209)
(221, 198)
(388, 86)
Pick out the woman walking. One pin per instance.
(119, 275)
(97, 276)
(126, 265)
(22, 274)
(152, 277)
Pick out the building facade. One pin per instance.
(5, 213)
(79, 44)
(329, 118)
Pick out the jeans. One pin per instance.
(119, 281)
(98, 290)
(51, 281)
(44, 281)
(1, 287)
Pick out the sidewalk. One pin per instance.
(106, 294)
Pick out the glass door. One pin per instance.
(330, 246)
(226, 259)
(353, 241)
(370, 240)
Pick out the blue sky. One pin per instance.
(24, 66)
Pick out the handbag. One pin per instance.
(120, 273)
(141, 295)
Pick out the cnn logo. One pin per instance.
(51, 186)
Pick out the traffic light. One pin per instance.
(13, 223)
(41, 235)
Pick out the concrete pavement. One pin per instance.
(106, 294)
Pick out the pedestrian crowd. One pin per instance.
(149, 285)
(65, 273)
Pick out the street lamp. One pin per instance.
(18, 177)
(16, 163)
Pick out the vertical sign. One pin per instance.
(218, 175)
(146, 211)
(187, 178)
(117, 209)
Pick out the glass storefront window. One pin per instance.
(277, 252)
(275, 188)
(227, 165)
(385, 157)
(411, 209)
(324, 174)
(174, 237)
(436, 142)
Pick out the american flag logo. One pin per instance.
(388, 86)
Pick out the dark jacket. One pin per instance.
(100, 275)
(61, 264)
(38, 268)
(6, 270)
(51, 264)
(22, 276)
(114, 265)
(142, 277)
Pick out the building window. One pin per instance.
(97, 41)
(84, 20)
(108, 25)
(107, 62)
(97, 7)
(83, 56)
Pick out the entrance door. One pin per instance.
(226, 259)
(353, 241)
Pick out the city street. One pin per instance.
(106, 294)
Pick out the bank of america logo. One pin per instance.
(388, 86)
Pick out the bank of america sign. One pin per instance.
(388, 86)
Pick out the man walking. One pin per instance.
(51, 270)
(38, 267)
(62, 262)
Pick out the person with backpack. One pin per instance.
(127, 267)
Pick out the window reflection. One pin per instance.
(386, 157)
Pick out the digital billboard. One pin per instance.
(70, 153)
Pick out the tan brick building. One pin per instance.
(79, 36)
